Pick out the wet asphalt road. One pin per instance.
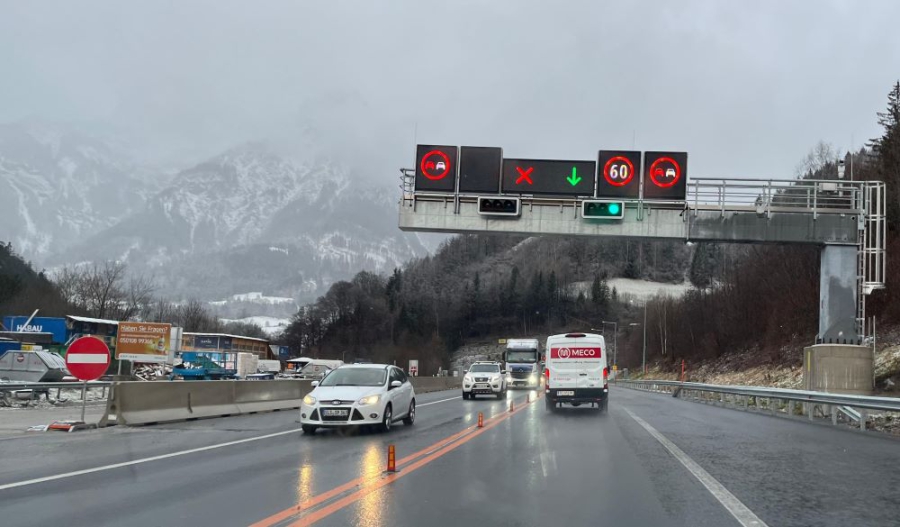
(527, 467)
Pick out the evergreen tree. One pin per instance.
(704, 264)
(631, 269)
(596, 294)
(887, 150)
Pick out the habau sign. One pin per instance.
(575, 353)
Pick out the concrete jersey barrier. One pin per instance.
(435, 384)
(140, 402)
(137, 403)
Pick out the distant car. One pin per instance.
(359, 395)
(487, 378)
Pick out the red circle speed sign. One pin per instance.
(87, 358)
(618, 171)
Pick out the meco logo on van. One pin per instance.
(575, 353)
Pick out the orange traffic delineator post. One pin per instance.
(512, 405)
(392, 459)
(480, 420)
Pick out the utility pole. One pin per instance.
(615, 326)
(644, 360)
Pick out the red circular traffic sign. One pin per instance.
(665, 176)
(435, 170)
(20, 358)
(87, 358)
(618, 180)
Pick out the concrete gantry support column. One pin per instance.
(838, 368)
(838, 295)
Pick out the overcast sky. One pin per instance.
(746, 88)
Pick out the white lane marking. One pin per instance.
(164, 456)
(88, 358)
(438, 402)
(728, 500)
(143, 460)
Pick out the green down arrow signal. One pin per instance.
(574, 179)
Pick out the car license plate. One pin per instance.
(566, 392)
(336, 413)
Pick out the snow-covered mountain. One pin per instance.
(59, 185)
(252, 220)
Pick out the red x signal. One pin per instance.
(525, 173)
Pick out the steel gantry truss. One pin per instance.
(837, 215)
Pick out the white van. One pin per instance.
(576, 370)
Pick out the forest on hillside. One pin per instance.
(478, 287)
(767, 302)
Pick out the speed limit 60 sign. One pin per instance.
(618, 174)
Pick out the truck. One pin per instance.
(205, 366)
(522, 358)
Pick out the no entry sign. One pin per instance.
(87, 358)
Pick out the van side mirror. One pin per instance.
(503, 372)
(314, 384)
(396, 384)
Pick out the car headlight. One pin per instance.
(372, 399)
(309, 400)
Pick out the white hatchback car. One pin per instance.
(359, 395)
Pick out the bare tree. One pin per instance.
(820, 156)
(104, 290)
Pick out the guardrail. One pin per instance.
(776, 401)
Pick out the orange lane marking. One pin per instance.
(368, 489)
(315, 500)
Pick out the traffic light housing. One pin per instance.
(499, 206)
(603, 210)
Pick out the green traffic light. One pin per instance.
(603, 210)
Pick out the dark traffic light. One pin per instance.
(498, 206)
(608, 210)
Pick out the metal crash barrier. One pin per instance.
(852, 409)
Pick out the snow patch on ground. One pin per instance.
(639, 290)
(259, 298)
(271, 325)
